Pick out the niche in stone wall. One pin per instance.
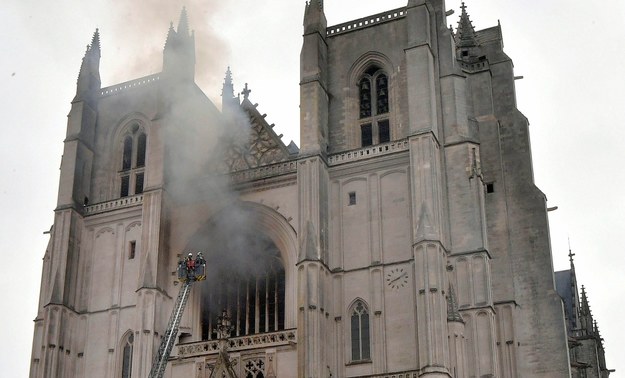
(395, 216)
(355, 223)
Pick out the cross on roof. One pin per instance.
(246, 91)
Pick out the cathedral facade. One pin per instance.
(403, 237)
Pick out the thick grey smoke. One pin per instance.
(241, 261)
(199, 141)
(140, 31)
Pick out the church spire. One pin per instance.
(89, 75)
(586, 321)
(171, 35)
(183, 23)
(179, 51)
(95, 42)
(465, 34)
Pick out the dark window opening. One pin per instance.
(133, 156)
(125, 186)
(384, 131)
(255, 305)
(141, 145)
(366, 135)
(254, 298)
(490, 187)
(127, 154)
(372, 70)
(127, 357)
(139, 183)
(373, 96)
(352, 198)
(365, 98)
(382, 94)
(132, 248)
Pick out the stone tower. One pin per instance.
(403, 237)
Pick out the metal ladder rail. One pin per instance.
(167, 342)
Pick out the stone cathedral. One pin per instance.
(403, 237)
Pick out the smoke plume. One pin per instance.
(140, 30)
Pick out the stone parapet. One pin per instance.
(115, 89)
(260, 341)
(116, 204)
(366, 22)
(368, 152)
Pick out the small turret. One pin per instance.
(465, 34)
(228, 100)
(183, 22)
(179, 51)
(586, 321)
(314, 99)
(315, 18)
(89, 76)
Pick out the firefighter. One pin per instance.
(190, 264)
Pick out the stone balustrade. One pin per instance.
(259, 341)
(368, 152)
(366, 22)
(119, 203)
(403, 374)
(115, 89)
(270, 170)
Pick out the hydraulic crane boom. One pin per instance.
(189, 271)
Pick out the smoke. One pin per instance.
(140, 30)
(199, 140)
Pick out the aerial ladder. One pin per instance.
(190, 270)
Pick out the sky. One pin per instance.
(569, 53)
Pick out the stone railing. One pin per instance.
(368, 152)
(264, 171)
(263, 340)
(115, 89)
(366, 22)
(474, 66)
(403, 374)
(119, 203)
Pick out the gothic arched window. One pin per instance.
(374, 107)
(249, 284)
(127, 356)
(361, 342)
(132, 173)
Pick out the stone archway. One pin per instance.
(250, 251)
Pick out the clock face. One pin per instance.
(396, 278)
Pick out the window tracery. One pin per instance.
(360, 339)
(254, 368)
(373, 98)
(127, 346)
(133, 154)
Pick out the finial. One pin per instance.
(228, 89)
(95, 41)
(246, 92)
(183, 23)
(571, 254)
(453, 314)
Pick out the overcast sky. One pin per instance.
(570, 53)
